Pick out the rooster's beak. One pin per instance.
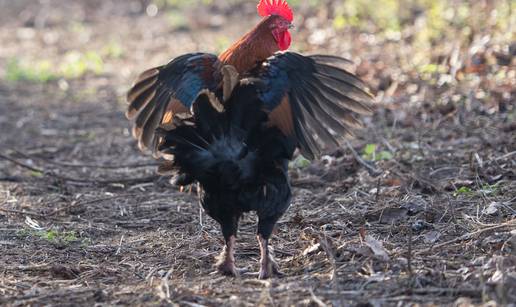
(291, 26)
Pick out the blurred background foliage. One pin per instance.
(444, 76)
(434, 18)
(439, 41)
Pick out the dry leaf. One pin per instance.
(377, 247)
(432, 236)
(311, 249)
(492, 209)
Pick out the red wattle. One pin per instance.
(284, 40)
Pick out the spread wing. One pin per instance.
(161, 92)
(311, 99)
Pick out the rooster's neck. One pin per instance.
(254, 47)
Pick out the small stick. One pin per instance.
(88, 165)
(372, 170)
(377, 190)
(70, 179)
(317, 300)
(409, 256)
(511, 223)
(21, 164)
(119, 245)
(22, 212)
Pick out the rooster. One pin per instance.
(232, 122)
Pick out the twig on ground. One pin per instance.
(24, 165)
(22, 212)
(89, 202)
(328, 248)
(373, 171)
(409, 256)
(88, 165)
(77, 180)
(10, 179)
(119, 245)
(317, 300)
(506, 156)
(511, 223)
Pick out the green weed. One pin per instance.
(39, 71)
(177, 20)
(77, 64)
(112, 50)
(371, 153)
(486, 189)
(53, 236)
(36, 174)
(490, 189)
(74, 64)
(463, 191)
(300, 162)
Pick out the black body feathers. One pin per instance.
(238, 149)
(240, 162)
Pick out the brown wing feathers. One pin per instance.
(139, 98)
(174, 107)
(147, 105)
(160, 93)
(143, 91)
(281, 117)
(322, 103)
(319, 108)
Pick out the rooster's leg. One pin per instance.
(268, 266)
(226, 260)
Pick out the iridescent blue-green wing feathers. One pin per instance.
(312, 99)
(162, 92)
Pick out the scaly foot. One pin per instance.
(227, 268)
(268, 266)
(226, 260)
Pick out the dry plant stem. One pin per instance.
(372, 170)
(510, 224)
(409, 257)
(329, 249)
(70, 179)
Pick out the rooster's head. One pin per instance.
(279, 17)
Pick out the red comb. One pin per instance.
(275, 7)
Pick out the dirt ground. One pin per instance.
(85, 220)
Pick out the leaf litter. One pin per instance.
(427, 217)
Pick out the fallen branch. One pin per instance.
(511, 223)
(373, 171)
(89, 202)
(22, 212)
(88, 165)
(10, 179)
(77, 180)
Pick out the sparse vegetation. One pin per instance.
(53, 236)
(41, 71)
(371, 153)
(73, 65)
(426, 218)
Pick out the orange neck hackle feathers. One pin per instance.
(267, 37)
(255, 46)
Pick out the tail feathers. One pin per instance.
(208, 115)
(222, 164)
(209, 149)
